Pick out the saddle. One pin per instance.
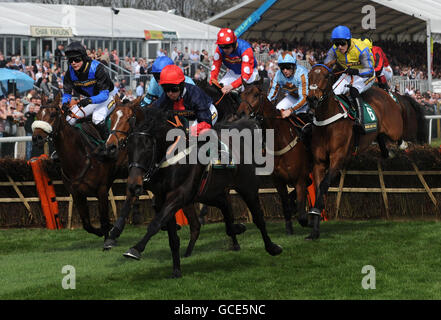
(369, 116)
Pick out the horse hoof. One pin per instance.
(274, 249)
(133, 254)
(235, 247)
(176, 274)
(109, 244)
(239, 228)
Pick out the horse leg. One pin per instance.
(80, 202)
(202, 214)
(195, 227)
(174, 242)
(381, 139)
(287, 208)
(251, 198)
(232, 229)
(323, 184)
(136, 213)
(301, 202)
(103, 209)
(120, 223)
(171, 205)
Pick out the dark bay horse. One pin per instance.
(292, 162)
(82, 173)
(179, 184)
(123, 118)
(414, 122)
(333, 135)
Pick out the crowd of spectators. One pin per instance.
(17, 112)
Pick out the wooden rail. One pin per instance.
(339, 190)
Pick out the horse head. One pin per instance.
(47, 121)
(122, 120)
(319, 78)
(145, 146)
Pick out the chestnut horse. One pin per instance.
(333, 135)
(123, 119)
(83, 174)
(291, 160)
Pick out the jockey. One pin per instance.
(383, 70)
(237, 55)
(179, 95)
(293, 80)
(355, 57)
(88, 78)
(154, 90)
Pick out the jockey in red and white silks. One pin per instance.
(238, 56)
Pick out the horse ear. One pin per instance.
(331, 63)
(44, 100)
(57, 99)
(117, 99)
(137, 101)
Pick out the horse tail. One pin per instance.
(422, 131)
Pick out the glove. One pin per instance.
(199, 128)
(84, 102)
(352, 72)
(66, 107)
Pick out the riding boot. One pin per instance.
(103, 130)
(236, 96)
(358, 105)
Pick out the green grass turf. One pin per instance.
(406, 257)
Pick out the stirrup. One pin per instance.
(54, 156)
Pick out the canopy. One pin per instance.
(23, 81)
(87, 21)
(315, 19)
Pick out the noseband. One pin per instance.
(46, 126)
(148, 172)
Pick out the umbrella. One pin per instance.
(22, 81)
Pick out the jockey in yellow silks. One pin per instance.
(355, 57)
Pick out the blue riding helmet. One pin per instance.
(160, 63)
(341, 32)
(286, 57)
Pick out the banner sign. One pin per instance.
(37, 31)
(160, 35)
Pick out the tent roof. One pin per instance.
(96, 21)
(393, 17)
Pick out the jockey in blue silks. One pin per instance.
(292, 79)
(154, 91)
(90, 79)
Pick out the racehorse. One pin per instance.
(414, 122)
(333, 134)
(176, 184)
(122, 119)
(82, 173)
(291, 160)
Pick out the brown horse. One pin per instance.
(291, 159)
(82, 173)
(333, 135)
(123, 120)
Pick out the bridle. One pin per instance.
(151, 170)
(122, 144)
(50, 130)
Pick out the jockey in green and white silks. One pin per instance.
(292, 79)
(154, 91)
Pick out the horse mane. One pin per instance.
(422, 132)
(155, 121)
(242, 123)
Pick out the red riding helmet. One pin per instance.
(171, 74)
(226, 36)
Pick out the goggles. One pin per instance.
(171, 88)
(288, 66)
(340, 42)
(74, 59)
(225, 46)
